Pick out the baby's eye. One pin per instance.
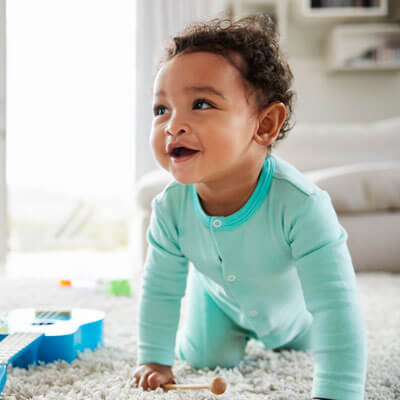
(159, 110)
(202, 104)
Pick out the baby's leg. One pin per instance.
(208, 337)
(301, 342)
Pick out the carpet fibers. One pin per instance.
(263, 374)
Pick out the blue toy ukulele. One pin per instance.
(28, 336)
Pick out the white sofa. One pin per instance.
(358, 164)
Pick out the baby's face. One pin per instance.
(203, 123)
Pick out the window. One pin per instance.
(70, 109)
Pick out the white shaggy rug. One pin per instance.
(264, 374)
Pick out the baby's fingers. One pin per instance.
(143, 382)
(137, 377)
(154, 380)
(157, 379)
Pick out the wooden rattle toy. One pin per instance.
(217, 386)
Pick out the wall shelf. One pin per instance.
(344, 11)
(364, 47)
(360, 46)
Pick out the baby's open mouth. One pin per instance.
(182, 152)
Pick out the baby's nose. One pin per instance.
(177, 124)
(176, 130)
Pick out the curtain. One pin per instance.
(156, 20)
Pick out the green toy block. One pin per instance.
(118, 287)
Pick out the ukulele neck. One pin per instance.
(15, 343)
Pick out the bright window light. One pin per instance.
(70, 75)
(70, 95)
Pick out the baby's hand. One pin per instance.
(151, 376)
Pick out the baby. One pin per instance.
(269, 259)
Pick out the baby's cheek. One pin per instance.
(157, 144)
(224, 148)
(154, 138)
(161, 157)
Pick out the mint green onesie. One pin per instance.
(278, 270)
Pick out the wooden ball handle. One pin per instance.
(217, 386)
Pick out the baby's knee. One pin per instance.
(210, 357)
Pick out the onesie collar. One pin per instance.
(247, 211)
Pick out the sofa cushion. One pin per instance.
(312, 146)
(366, 187)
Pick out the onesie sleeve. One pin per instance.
(162, 287)
(324, 265)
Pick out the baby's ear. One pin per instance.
(270, 120)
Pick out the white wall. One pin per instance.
(3, 220)
(343, 97)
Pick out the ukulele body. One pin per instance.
(64, 334)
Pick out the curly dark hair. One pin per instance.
(255, 39)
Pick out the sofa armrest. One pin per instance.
(365, 187)
(149, 186)
(145, 190)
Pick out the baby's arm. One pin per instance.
(325, 269)
(163, 286)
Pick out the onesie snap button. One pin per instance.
(253, 313)
(217, 223)
(231, 278)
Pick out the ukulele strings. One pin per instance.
(43, 316)
(48, 315)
